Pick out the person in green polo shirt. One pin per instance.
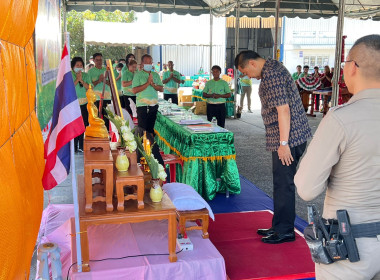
(246, 90)
(128, 58)
(117, 74)
(171, 79)
(145, 85)
(81, 82)
(96, 76)
(126, 82)
(297, 74)
(216, 91)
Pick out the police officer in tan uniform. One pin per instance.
(344, 158)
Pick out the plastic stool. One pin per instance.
(172, 160)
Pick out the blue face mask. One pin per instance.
(76, 70)
(148, 67)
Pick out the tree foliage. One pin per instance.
(75, 23)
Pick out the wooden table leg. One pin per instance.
(172, 237)
(120, 196)
(84, 247)
(312, 107)
(205, 221)
(140, 194)
(109, 188)
(88, 188)
(325, 104)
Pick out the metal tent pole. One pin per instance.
(85, 54)
(276, 31)
(237, 26)
(338, 53)
(211, 26)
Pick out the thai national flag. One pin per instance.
(67, 123)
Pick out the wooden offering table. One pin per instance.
(133, 177)
(131, 214)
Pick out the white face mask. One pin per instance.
(76, 70)
(118, 71)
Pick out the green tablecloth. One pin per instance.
(197, 95)
(206, 156)
(188, 82)
(207, 76)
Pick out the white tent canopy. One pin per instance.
(121, 34)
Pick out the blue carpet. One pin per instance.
(251, 198)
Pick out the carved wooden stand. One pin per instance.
(202, 215)
(97, 155)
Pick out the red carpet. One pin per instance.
(246, 257)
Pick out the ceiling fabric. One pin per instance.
(250, 8)
(146, 34)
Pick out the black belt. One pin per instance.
(363, 230)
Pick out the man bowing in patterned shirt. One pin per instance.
(287, 130)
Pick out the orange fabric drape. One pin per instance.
(21, 145)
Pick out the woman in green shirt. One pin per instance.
(126, 82)
(216, 91)
(81, 81)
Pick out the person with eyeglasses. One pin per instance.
(145, 84)
(346, 148)
(81, 81)
(171, 79)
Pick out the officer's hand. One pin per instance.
(285, 155)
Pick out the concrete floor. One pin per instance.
(253, 161)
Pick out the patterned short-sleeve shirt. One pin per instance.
(278, 88)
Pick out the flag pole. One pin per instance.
(74, 186)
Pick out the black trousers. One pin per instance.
(174, 97)
(284, 191)
(218, 111)
(127, 103)
(146, 117)
(78, 141)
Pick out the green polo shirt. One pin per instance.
(127, 76)
(118, 82)
(219, 87)
(81, 90)
(245, 81)
(93, 75)
(295, 76)
(171, 87)
(149, 96)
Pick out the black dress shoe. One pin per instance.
(265, 232)
(277, 238)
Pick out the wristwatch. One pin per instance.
(283, 143)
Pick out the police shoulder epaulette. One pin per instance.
(338, 107)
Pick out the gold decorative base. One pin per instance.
(96, 132)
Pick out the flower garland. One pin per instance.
(127, 139)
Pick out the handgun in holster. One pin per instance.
(348, 238)
(316, 236)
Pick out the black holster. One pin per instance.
(330, 240)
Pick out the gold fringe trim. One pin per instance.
(220, 158)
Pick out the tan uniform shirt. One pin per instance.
(344, 157)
